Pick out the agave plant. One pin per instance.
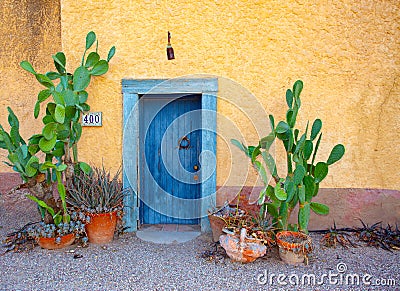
(97, 191)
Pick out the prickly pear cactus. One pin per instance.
(304, 175)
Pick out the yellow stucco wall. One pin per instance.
(29, 30)
(346, 52)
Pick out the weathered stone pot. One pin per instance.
(217, 223)
(51, 244)
(293, 247)
(101, 228)
(242, 248)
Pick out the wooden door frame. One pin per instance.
(131, 90)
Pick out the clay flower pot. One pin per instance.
(101, 228)
(51, 244)
(293, 246)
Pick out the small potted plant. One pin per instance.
(100, 197)
(222, 217)
(302, 180)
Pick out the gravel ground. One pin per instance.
(131, 264)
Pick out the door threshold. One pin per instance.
(171, 227)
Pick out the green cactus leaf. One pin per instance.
(90, 39)
(50, 108)
(70, 98)
(256, 152)
(304, 217)
(36, 110)
(24, 150)
(100, 68)
(309, 185)
(47, 165)
(290, 118)
(280, 193)
(289, 98)
(300, 144)
(60, 62)
(70, 112)
(320, 172)
(319, 208)
(27, 67)
(267, 141)
(290, 189)
(77, 129)
(299, 173)
(47, 145)
(34, 139)
(85, 168)
(92, 59)
(316, 148)
(270, 162)
(282, 127)
(53, 75)
(85, 107)
(12, 118)
(49, 130)
(297, 88)
(239, 145)
(316, 128)
(83, 96)
(59, 149)
(58, 98)
(301, 193)
(81, 79)
(296, 134)
(336, 154)
(32, 166)
(61, 167)
(47, 119)
(59, 113)
(44, 80)
(111, 53)
(13, 157)
(308, 149)
(43, 95)
(33, 149)
(272, 122)
(261, 171)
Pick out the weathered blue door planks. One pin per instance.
(169, 146)
(207, 87)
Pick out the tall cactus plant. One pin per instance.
(62, 129)
(47, 157)
(304, 174)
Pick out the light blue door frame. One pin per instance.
(132, 89)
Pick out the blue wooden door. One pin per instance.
(169, 149)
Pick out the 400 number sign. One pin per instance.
(92, 119)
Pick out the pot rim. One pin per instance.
(305, 245)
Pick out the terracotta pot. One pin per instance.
(101, 228)
(50, 243)
(217, 224)
(293, 246)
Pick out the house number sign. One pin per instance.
(92, 119)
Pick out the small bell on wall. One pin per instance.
(170, 50)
